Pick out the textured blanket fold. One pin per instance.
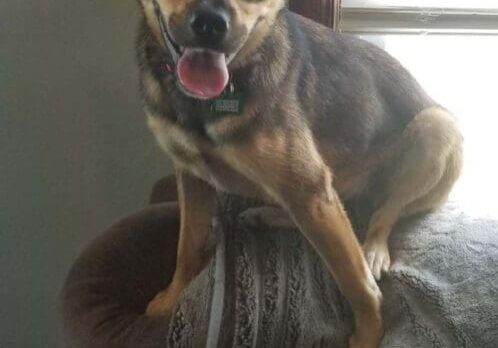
(268, 288)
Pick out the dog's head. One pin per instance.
(205, 37)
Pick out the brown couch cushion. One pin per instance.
(109, 286)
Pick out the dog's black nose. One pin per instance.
(210, 26)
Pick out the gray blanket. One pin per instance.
(268, 288)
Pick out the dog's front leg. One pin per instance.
(323, 221)
(289, 169)
(196, 200)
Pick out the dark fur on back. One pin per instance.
(349, 91)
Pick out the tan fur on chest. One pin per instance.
(184, 148)
(200, 157)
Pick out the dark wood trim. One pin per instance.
(325, 12)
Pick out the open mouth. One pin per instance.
(203, 73)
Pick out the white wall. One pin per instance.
(75, 153)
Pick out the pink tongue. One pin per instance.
(203, 73)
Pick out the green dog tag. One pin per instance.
(228, 103)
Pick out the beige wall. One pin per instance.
(75, 153)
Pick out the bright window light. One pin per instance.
(422, 3)
(461, 73)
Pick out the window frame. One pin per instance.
(367, 17)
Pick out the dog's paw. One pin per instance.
(355, 343)
(269, 216)
(164, 303)
(377, 257)
(369, 330)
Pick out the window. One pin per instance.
(420, 16)
(451, 47)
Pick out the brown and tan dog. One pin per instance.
(250, 98)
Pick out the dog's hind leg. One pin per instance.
(427, 163)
